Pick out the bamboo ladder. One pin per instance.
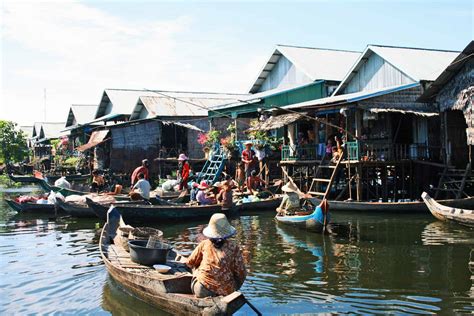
(453, 181)
(319, 179)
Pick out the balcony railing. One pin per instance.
(307, 152)
(366, 151)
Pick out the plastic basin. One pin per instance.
(139, 253)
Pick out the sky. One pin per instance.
(57, 53)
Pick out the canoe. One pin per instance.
(170, 291)
(395, 207)
(308, 222)
(67, 192)
(448, 213)
(30, 207)
(143, 213)
(23, 178)
(75, 209)
(85, 211)
(262, 205)
(70, 178)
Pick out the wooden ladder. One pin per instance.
(319, 179)
(453, 181)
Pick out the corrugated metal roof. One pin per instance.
(465, 56)
(316, 63)
(80, 114)
(350, 97)
(417, 63)
(47, 130)
(125, 101)
(180, 103)
(256, 97)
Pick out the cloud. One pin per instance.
(75, 51)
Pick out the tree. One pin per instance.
(13, 146)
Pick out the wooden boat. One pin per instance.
(84, 210)
(448, 213)
(170, 291)
(70, 177)
(308, 222)
(396, 207)
(134, 212)
(23, 178)
(75, 209)
(30, 207)
(268, 204)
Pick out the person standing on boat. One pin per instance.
(217, 262)
(248, 158)
(290, 204)
(142, 169)
(183, 169)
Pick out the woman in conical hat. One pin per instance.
(291, 200)
(217, 262)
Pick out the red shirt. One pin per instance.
(137, 171)
(248, 155)
(185, 171)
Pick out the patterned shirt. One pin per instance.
(291, 201)
(221, 271)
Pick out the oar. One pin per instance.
(252, 307)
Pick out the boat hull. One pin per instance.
(76, 210)
(449, 213)
(171, 293)
(265, 205)
(394, 207)
(307, 222)
(142, 213)
(31, 207)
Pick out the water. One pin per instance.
(399, 264)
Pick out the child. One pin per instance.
(240, 176)
(225, 197)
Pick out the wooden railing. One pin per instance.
(307, 152)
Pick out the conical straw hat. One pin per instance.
(219, 227)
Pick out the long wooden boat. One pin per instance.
(448, 213)
(143, 213)
(66, 192)
(308, 222)
(75, 209)
(395, 207)
(170, 291)
(85, 211)
(30, 207)
(70, 177)
(262, 205)
(23, 178)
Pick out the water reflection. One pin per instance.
(402, 265)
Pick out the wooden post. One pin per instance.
(358, 181)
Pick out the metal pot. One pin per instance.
(139, 253)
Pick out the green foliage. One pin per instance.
(231, 128)
(13, 146)
(71, 162)
(262, 137)
(213, 136)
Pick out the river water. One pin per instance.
(399, 264)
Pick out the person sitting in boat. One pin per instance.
(98, 181)
(183, 171)
(202, 196)
(290, 204)
(255, 183)
(225, 196)
(141, 189)
(217, 262)
(142, 169)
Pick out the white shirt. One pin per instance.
(143, 187)
(260, 154)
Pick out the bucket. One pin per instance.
(139, 253)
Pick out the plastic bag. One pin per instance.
(62, 183)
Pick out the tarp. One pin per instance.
(96, 138)
(276, 122)
(186, 125)
(381, 110)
